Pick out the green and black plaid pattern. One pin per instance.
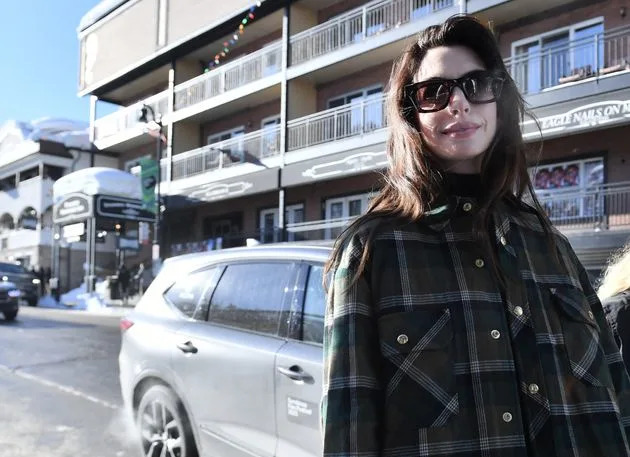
(425, 355)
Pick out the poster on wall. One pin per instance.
(569, 190)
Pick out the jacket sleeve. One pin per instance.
(351, 404)
(618, 373)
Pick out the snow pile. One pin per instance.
(101, 10)
(98, 181)
(79, 299)
(72, 134)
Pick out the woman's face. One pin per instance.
(459, 134)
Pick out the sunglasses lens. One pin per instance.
(482, 88)
(432, 96)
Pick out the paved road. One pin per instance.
(59, 386)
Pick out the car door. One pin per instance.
(226, 365)
(299, 370)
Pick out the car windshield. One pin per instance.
(11, 268)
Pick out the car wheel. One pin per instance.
(163, 425)
(10, 315)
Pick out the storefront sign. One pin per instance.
(582, 117)
(122, 208)
(73, 207)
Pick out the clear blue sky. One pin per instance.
(40, 59)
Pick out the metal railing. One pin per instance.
(599, 54)
(358, 24)
(602, 207)
(362, 116)
(250, 148)
(128, 117)
(252, 67)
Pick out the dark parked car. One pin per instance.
(9, 300)
(26, 281)
(222, 356)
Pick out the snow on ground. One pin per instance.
(79, 299)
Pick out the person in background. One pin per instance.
(459, 322)
(123, 281)
(614, 292)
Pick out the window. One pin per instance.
(570, 190)
(228, 144)
(364, 112)
(7, 183)
(28, 174)
(342, 210)
(314, 306)
(270, 137)
(251, 296)
(293, 214)
(53, 172)
(191, 293)
(558, 56)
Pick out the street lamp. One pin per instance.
(149, 117)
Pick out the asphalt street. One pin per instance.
(59, 386)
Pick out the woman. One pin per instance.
(614, 292)
(458, 321)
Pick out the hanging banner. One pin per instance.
(148, 180)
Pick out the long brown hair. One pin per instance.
(413, 181)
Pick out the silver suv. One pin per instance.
(222, 357)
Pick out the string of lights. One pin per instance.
(227, 45)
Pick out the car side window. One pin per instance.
(251, 296)
(314, 306)
(191, 293)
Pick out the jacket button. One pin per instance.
(495, 334)
(533, 388)
(518, 310)
(503, 240)
(467, 206)
(402, 339)
(507, 417)
(479, 263)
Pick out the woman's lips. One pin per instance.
(461, 131)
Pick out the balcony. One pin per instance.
(360, 117)
(126, 121)
(600, 208)
(594, 56)
(230, 76)
(251, 148)
(358, 25)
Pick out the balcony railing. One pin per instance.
(232, 75)
(599, 54)
(603, 207)
(362, 116)
(250, 148)
(359, 24)
(127, 118)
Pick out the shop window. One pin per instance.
(569, 191)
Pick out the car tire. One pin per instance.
(10, 315)
(163, 423)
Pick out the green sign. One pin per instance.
(148, 180)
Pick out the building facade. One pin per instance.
(273, 111)
(33, 155)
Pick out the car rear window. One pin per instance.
(314, 306)
(251, 296)
(192, 293)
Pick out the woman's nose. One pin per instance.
(458, 102)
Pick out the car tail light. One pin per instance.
(125, 324)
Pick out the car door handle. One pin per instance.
(187, 347)
(295, 373)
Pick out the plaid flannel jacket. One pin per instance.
(426, 355)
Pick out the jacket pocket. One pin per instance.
(418, 352)
(581, 336)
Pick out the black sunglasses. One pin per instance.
(480, 86)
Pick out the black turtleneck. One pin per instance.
(462, 185)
